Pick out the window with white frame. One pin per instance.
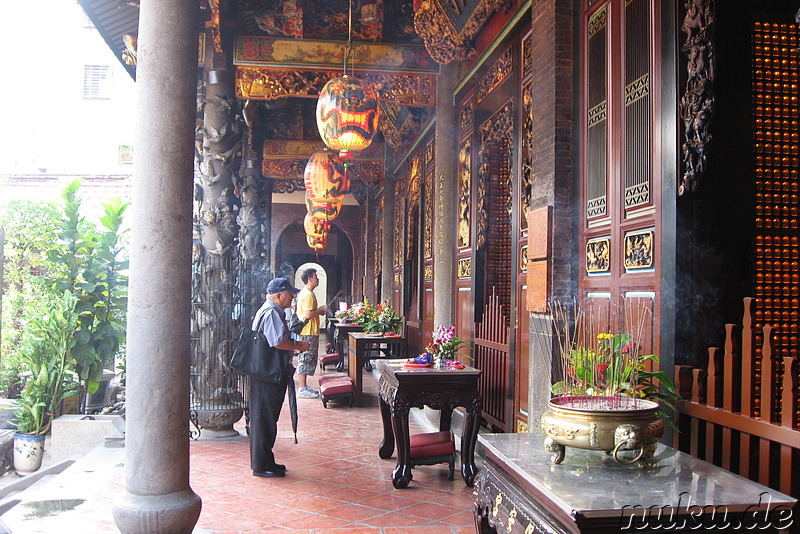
(96, 81)
(125, 154)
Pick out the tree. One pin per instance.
(92, 269)
(29, 229)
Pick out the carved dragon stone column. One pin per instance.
(157, 498)
(255, 218)
(216, 396)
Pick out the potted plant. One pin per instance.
(383, 319)
(46, 359)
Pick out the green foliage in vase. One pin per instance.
(46, 355)
(383, 318)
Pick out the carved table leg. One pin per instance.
(387, 445)
(445, 419)
(468, 440)
(354, 370)
(401, 475)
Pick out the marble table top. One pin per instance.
(590, 482)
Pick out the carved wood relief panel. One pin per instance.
(494, 76)
(464, 192)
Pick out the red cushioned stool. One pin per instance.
(433, 448)
(329, 358)
(337, 388)
(332, 376)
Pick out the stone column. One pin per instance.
(552, 103)
(445, 192)
(387, 244)
(157, 497)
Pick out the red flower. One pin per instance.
(601, 368)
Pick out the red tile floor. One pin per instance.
(335, 482)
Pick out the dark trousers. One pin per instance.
(265, 401)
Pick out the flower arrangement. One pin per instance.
(381, 318)
(599, 365)
(358, 313)
(612, 367)
(445, 344)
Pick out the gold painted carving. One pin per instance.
(130, 53)
(304, 53)
(427, 241)
(597, 114)
(269, 83)
(412, 210)
(527, 55)
(495, 75)
(526, 185)
(259, 83)
(639, 249)
(216, 36)
(497, 128)
(597, 22)
(429, 273)
(288, 186)
(443, 42)
(398, 279)
(522, 427)
(465, 268)
(284, 168)
(637, 89)
(429, 153)
(464, 192)
(440, 201)
(598, 255)
(523, 258)
(467, 115)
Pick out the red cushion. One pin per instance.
(336, 387)
(333, 376)
(432, 444)
(328, 358)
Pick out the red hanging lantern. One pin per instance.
(317, 243)
(325, 178)
(323, 211)
(315, 228)
(347, 115)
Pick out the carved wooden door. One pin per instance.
(620, 166)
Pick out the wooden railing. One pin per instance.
(740, 413)
(491, 355)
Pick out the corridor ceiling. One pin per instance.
(284, 51)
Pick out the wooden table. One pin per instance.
(519, 491)
(341, 331)
(402, 388)
(364, 347)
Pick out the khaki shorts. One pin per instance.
(307, 361)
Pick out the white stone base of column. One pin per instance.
(172, 513)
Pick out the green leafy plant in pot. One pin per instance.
(46, 357)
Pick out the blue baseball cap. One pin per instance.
(276, 285)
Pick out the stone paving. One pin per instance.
(335, 483)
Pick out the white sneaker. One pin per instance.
(308, 393)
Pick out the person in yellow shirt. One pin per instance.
(307, 309)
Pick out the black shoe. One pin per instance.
(269, 473)
(277, 467)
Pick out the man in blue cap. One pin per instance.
(266, 400)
